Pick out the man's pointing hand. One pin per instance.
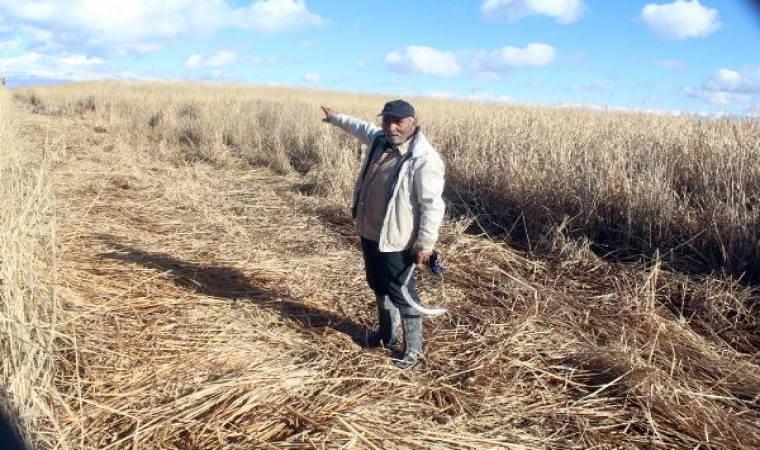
(329, 113)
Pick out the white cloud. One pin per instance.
(219, 59)
(62, 67)
(34, 33)
(146, 25)
(312, 76)
(681, 19)
(474, 95)
(194, 61)
(716, 97)
(747, 82)
(416, 59)
(564, 11)
(362, 64)
(9, 45)
(727, 86)
(276, 15)
(509, 58)
(307, 43)
(481, 64)
(79, 60)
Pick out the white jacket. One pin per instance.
(416, 208)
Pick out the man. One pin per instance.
(398, 208)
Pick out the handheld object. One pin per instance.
(435, 265)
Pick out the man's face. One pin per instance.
(397, 130)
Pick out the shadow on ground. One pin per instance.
(233, 284)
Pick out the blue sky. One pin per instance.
(671, 55)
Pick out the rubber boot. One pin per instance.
(389, 319)
(412, 342)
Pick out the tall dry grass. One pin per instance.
(212, 308)
(686, 188)
(28, 305)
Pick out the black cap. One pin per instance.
(398, 108)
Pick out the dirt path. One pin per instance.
(215, 307)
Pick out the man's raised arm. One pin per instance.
(364, 131)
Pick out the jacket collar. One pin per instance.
(420, 146)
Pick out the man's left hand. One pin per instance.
(421, 257)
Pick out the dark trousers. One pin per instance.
(391, 274)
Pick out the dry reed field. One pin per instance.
(179, 270)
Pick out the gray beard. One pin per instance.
(400, 139)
